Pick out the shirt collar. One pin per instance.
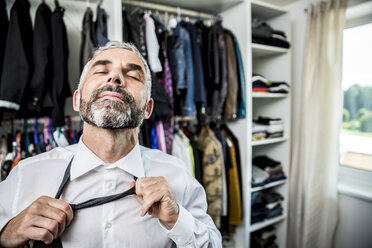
(85, 160)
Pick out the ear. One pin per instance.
(76, 101)
(149, 108)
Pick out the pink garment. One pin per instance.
(159, 129)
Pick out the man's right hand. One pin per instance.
(45, 219)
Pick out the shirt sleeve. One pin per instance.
(8, 195)
(152, 45)
(194, 227)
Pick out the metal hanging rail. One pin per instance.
(164, 8)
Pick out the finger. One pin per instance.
(55, 214)
(37, 233)
(132, 184)
(149, 201)
(45, 223)
(63, 206)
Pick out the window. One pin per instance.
(356, 133)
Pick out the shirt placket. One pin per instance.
(108, 209)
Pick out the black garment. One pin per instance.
(101, 27)
(57, 243)
(39, 93)
(203, 40)
(264, 161)
(18, 64)
(87, 38)
(61, 87)
(199, 90)
(137, 29)
(262, 33)
(162, 103)
(3, 32)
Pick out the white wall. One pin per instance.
(355, 214)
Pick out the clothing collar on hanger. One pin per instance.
(85, 160)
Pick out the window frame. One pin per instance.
(352, 181)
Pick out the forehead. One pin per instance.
(119, 55)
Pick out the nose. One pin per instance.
(115, 78)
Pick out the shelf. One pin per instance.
(265, 223)
(265, 10)
(260, 50)
(268, 95)
(269, 185)
(268, 141)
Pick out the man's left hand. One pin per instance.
(157, 199)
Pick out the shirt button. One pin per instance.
(108, 225)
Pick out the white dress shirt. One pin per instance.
(118, 223)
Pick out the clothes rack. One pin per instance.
(163, 8)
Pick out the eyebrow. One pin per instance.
(101, 62)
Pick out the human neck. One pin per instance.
(109, 145)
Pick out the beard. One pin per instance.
(112, 114)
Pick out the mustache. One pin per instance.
(126, 96)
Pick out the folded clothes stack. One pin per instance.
(266, 170)
(264, 238)
(265, 128)
(263, 85)
(265, 205)
(263, 33)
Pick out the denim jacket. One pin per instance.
(182, 67)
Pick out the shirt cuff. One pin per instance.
(182, 231)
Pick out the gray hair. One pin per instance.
(123, 45)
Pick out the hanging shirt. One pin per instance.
(18, 64)
(159, 129)
(152, 45)
(181, 150)
(118, 223)
(241, 101)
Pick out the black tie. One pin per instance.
(57, 243)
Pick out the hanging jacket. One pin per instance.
(39, 95)
(230, 109)
(87, 38)
(101, 27)
(61, 87)
(17, 68)
(3, 32)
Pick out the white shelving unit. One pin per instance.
(268, 95)
(268, 141)
(269, 185)
(265, 223)
(274, 63)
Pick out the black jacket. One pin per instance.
(17, 67)
(38, 95)
(3, 32)
(61, 88)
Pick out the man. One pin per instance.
(113, 98)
